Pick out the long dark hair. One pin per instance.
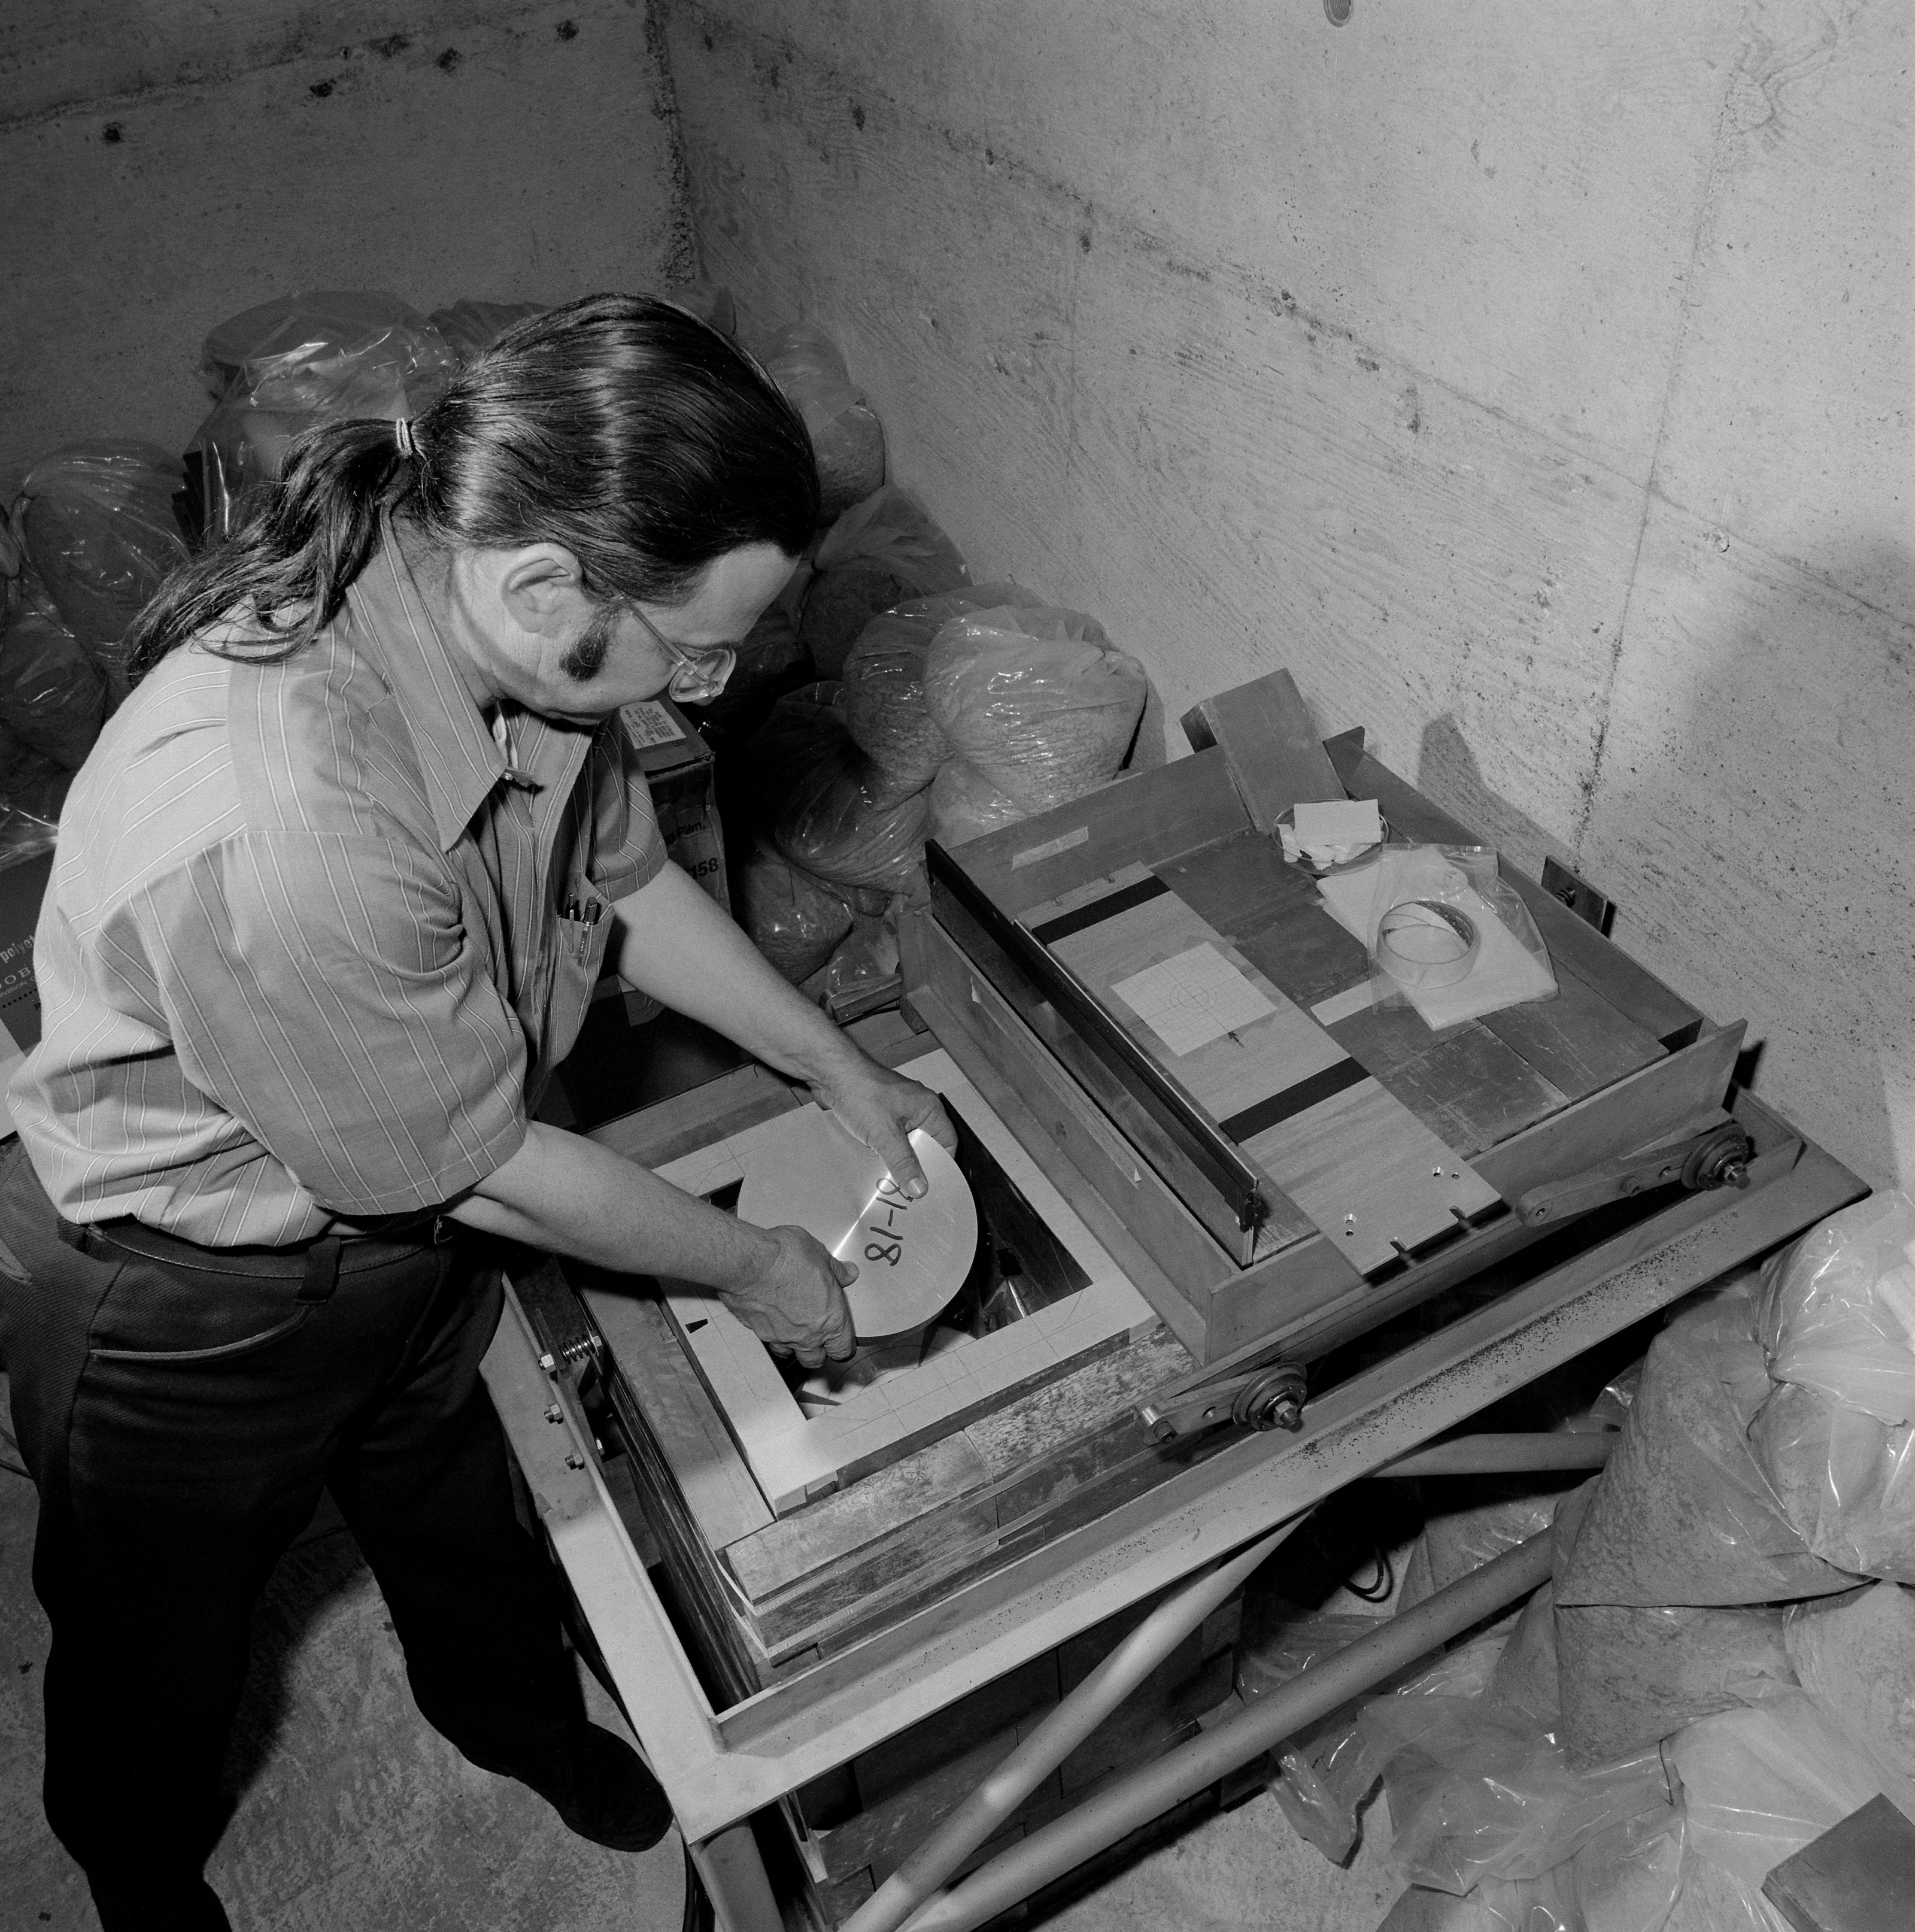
(621, 426)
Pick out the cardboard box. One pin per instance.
(22, 888)
(677, 763)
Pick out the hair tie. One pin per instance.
(402, 434)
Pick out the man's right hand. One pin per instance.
(796, 1304)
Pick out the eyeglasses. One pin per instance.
(705, 672)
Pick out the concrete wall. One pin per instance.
(168, 163)
(1534, 383)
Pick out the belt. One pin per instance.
(314, 1264)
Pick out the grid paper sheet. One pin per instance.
(1192, 999)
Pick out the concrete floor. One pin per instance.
(351, 1811)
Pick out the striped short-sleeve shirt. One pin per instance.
(307, 955)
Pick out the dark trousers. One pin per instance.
(180, 1409)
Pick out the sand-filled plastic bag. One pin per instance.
(302, 359)
(466, 326)
(843, 823)
(795, 920)
(52, 694)
(883, 686)
(1683, 1513)
(880, 553)
(98, 522)
(847, 437)
(1758, 1784)
(1037, 701)
(1836, 1435)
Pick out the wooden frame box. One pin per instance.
(1534, 1093)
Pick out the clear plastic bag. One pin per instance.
(846, 436)
(1629, 1675)
(884, 702)
(32, 790)
(880, 552)
(1446, 934)
(466, 326)
(803, 729)
(1758, 1784)
(772, 662)
(1682, 1514)
(98, 522)
(965, 805)
(1836, 1436)
(1323, 1773)
(796, 921)
(842, 824)
(1855, 1655)
(1037, 700)
(863, 975)
(302, 359)
(52, 695)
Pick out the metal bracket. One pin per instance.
(1582, 899)
(1717, 1158)
(1271, 1397)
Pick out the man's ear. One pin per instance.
(542, 588)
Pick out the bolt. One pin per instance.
(574, 1460)
(548, 1363)
(555, 1413)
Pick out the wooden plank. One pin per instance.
(1682, 1086)
(1275, 752)
(657, 1135)
(1469, 1088)
(1633, 991)
(1148, 817)
(783, 1551)
(711, 1475)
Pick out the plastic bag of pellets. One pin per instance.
(98, 522)
(466, 326)
(52, 695)
(1682, 1514)
(796, 921)
(847, 437)
(843, 824)
(1037, 701)
(302, 359)
(1836, 1435)
(1758, 1784)
(880, 552)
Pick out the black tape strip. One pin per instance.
(1098, 910)
(1253, 1121)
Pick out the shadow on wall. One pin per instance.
(1447, 772)
(1755, 817)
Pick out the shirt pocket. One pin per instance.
(580, 959)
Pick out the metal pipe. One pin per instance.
(1059, 1734)
(1506, 1455)
(1120, 1809)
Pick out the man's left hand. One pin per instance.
(883, 1109)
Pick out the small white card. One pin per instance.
(1342, 821)
(648, 723)
(1193, 999)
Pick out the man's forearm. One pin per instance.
(674, 944)
(564, 1193)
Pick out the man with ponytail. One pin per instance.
(329, 902)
